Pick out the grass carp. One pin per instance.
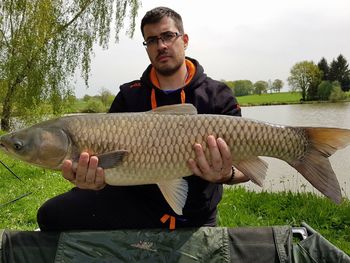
(153, 147)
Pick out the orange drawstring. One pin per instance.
(165, 218)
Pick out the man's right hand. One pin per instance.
(87, 175)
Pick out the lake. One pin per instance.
(280, 175)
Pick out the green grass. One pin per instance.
(270, 99)
(240, 207)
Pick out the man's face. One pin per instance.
(166, 58)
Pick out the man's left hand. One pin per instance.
(220, 168)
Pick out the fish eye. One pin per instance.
(17, 145)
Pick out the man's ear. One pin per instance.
(185, 39)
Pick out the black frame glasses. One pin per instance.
(166, 37)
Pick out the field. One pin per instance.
(270, 99)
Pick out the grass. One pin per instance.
(240, 207)
(270, 99)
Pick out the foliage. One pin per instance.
(241, 87)
(305, 76)
(339, 71)
(324, 90)
(337, 94)
(94, 106)
(260, 87)
(106, 97)
(323, 66)
(42, 42)
(277, 85)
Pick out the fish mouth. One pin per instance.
(3, 147)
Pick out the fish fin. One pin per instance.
(111, 159)
(175, 193)
(315, 166)
(179, 109)
(254, 167)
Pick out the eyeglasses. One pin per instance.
(166, 37)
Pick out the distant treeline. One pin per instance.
(246, 87)
(324, 81)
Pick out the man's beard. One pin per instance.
(168, 70)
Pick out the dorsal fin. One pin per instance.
(180, 109)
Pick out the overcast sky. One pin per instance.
(234, 39)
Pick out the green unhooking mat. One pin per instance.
(206, 244)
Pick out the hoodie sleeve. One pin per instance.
(225, 102)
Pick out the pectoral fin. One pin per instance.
(175, 193)
(111, 159)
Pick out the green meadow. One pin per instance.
(270, 99)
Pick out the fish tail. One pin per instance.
(315, 165)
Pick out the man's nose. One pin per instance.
(161, 44)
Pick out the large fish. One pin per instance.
(153, 147)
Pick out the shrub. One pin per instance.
(337, 94)
(94, 106)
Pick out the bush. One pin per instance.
(337, 94)
(324, 90)
(94, 106)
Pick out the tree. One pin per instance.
(305, 76)
(323, 66)
(240, 87)
(339, 71)
(42, 42)
(337, 94)
(277, 85)
(260, 87)
(243, 87)
(324, 90)
(106, 97)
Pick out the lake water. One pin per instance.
(280, 175)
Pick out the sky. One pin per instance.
(233, 40)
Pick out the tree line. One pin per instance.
(324, 81)
(247, 87)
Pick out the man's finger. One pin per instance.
(82, 167)
(100, 179)
(225, 152)
(67, 171)
(202, 162)
(194, 168)
(91, 171)
(216, 160)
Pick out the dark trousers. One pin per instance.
(114, 207)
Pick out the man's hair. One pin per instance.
(155, 15)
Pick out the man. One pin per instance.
(170, 79)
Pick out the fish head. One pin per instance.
(43, 146)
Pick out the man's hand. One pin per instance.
(87, 175)
(220, 168)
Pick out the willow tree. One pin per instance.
(43, 42)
